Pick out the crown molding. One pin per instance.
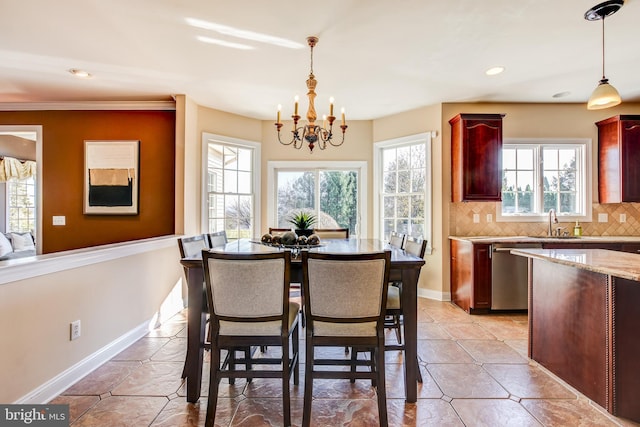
(88, 105)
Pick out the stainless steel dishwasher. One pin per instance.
(509, 276)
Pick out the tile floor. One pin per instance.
(475, 373)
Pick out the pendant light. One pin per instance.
(605, 95)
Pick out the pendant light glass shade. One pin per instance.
(604, 96)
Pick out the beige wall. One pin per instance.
(110, 299)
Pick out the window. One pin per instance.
(332, 191)
(403, 186)
(21, 205)
(232, 174)
(540, 175)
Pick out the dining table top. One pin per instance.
(351, 246)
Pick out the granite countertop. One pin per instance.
(619, 264)
(545, 239)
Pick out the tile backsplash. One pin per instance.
(461, 221)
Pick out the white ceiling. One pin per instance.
(376, 57)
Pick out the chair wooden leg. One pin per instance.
(286, 402)
(296, 351)
(397, 325)
(354, 358)
(214, 383)
(381, 388)
(232, 364)
(308, 385)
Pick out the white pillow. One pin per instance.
(5, 245)
(22, 242)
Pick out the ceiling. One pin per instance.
(375, 57)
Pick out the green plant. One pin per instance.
(302, 220)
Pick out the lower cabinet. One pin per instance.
(471, 276)
(471, 269)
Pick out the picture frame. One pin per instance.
(111, 177)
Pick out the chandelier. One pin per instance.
(311, 132)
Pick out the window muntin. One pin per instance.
(403, 190)
(230, 187)
(543, 175)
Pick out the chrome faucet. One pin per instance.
(552, 214)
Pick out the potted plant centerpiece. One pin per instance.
(303, 222)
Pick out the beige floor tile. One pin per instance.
(466, 380)
(442, 351)
(78, 405)
(395, 383)
(466, 331)
(568, 412)
(526, 381)
(120, 411)
(142, 349)
(491, 351)
(152, 379)
(178, 413)
(173, 351)
(425, 412)
(432, 331)
(103, 379)
(494, 412)
(336, 412)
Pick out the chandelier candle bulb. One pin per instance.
(295, 108)
(342, 111)
(331, 106)
(324, 121)
(279, 109)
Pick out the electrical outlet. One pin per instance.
(476, 218)
(603, 217)
(623, 217)
(489, 218)
(75, 330)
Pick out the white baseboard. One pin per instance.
(435, 295)
(66, 379)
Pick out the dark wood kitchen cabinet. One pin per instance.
(476, 157)
(471, 276)
(619, 159)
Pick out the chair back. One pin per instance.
(345, 288)
(247, 287)
(415, 247)
(397, 240)
(192, 246)
(332, 233)
(217, 239)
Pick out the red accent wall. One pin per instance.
(63, 136)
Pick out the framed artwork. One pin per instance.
(111, 178)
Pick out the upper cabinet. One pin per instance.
(476, 157)
(619, 159)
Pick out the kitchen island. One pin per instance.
(584, 321)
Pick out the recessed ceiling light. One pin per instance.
(225, 43)
(561, 94)
(243, 34)
(81, 74)
(494, 70)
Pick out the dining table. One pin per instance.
(403, 264)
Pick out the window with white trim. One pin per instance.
(540, 175)
(403, 187)
(232, 175)
(332, 191)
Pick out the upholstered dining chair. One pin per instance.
(217, 239)
(394, 297)
(393, 320)
(190, 247)
(332, 233)
(248, 296)
(345, 296)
